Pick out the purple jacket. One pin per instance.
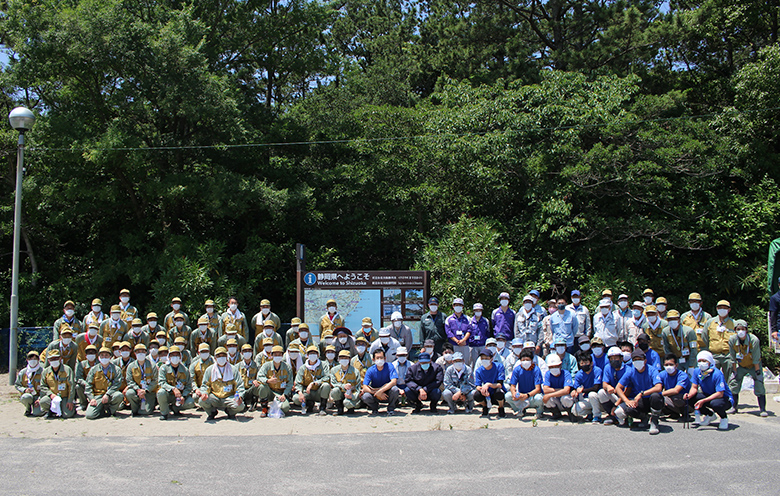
(456, 328)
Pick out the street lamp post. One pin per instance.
(22, 120)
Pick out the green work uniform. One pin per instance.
(25, 382)
(60, 383)
(746, 357)
(197, 338)
(82, 370)
(222, 394)
(248, 373)
(68, 354)
(682, 343)
(319, 380)
(339, 378)
(74, 324)
(111, 331)
(103, 381)
(168, 320)
(169, 379)
(267, 392)
(142, 377)
(716, 337)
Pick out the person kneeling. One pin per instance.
(644, 387)
(489, 379)
(709, 392)
(525, 385)
(222, 387)
(423, 382)
(458, 384)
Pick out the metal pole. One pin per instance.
(300, 266)
(13, 334)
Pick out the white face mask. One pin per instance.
(124, 299)
(344, 362)
(313, 358)
(304, 334)
(204, 356)
(331, 309)
(161, 341)
(294, 355)
(152, 324)
(674, 324)
(695, 306)
(517, 350)
(448, 357)
(278, 359)
(69, 312)
(140, 357)
(125, 354)
(384, 340)
(528, 306)
(670, 369)
(247, 355)
(233, 307)
(232, 350)
(269, 331)
(96, 309)
(115, 316)
(203, 328)
(265, 311)
(402, 359)
(209, 310)
(343, 340)
(604, 310)
(485, 362)
(492, 348)
(330, 356)
(639, 365)
(626, 356)
(585, 346)
(723, 312)
(104, 361)
(433, 308)
(478, 314)
(221, 361)
(661, 307)
(575, 301)
(526, 364)
(458, 309)
(136, 330)
(458, 366)
(556, 371)
(360, 349)
(741, 334)
(704, 366)
(117, 354)
(176, 307)
(648, 300)
(560, 350)
(397, 324)
(501, 345)
(92, 332)
(32, 363)
(268, 348)
(91, 357)
(174, 360)
(54, 363)
(380, 362)
(504, 303)
(623, 304)
(179, 323)
(153, 351)
(637, 313)
(652, 318)
(66, 341)
(598, 351)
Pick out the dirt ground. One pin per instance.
(14, 424)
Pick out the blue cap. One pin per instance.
(559, 341)
(534, 292)
(576, 292)
(424, 357)
(487, 352)
(433, 300)
(457, 356)
(517, 342)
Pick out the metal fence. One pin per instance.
(29, 338)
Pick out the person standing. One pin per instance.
(457, 328)
(175, 309)
(432, 326)
(679, 340)
(696, 318)
(400, 331)
(582, 314)
(717, 332)
(745, 355)
(332, 318)
(564, 325)
(234, 317)
(503, 318)
(68, 318)
(479, 329)
(528, 324)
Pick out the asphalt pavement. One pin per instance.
(552, 460)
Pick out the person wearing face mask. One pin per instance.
(82, 370)
(198, 367)
(344, 341)
(607, 295)
(312, 384)
(180, 328)
(68, 318)
(247, 371)
(547, 333)
(537, 306)
(267, 331)
(122, 361)
(213, 318)
(432, 326)
(502, 351)
(293, 358)
(141, 376)
(458, 387)
(128, 311)
(102, 389)
(428, 347)
(175, 385)
(379, 384)
(623, 313)
(231, 333)
(717, 332)
(276, 382)
(327, 340)
(387, 343)
(69, 350)
(136, 334)
(402, 364)
(96, 315)
(661, 305)
(28, 384)
(504, 318)
(709, 394)
(611, 374)
(605, 324)
(332, 318)
(223, 388)
(696, 318)
(528, 324)
(233, 316)
(648, 297)
(745, 354)
(400, 331)
(513, 359)
(679, 340)
(652, 358)
(175, 309)
(489, 380)
(479, 330)
(637, 323)
(675, 384)
(640, 389)
(203, 334)
(305, 338)
(345, 383)
(423, 382)
(445, 360)
(362, 359)
(186, 356)
(232, 348)
(161, 338)
(329, 357)
(564, 325)
(154, 351)
(162, 355)
(569, 363)
(151, 329)
(265, 314)
(626, 348)
(113, 328)
(292, 333)
(456, 326)
(557, 387)
(58, 391)
(367, 330)
(585, 388)
(538, 360)
(582, 314)
(653, 328)
(599, 352)
(525, 385)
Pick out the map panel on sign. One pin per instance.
(353, 305)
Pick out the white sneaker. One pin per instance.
(707, 420)
(724, 424)
(697, 418)
(621, 416)
(764, 414)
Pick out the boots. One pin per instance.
(734, 408)
(655, 414)
(339, 407)
(323, 406)
(762, 405)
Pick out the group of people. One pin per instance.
(641, 361)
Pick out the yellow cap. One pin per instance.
(647, 291)
(151, 315)
(140, 347)
(723, 303)
(268, 341)
(125, 344)
(232, 341)
(93, 326)
(178, 316)
(330, 347)
(672, 314)
(660, 299)
(220, 351)
(312, 348)
(97, 301)
(90, 347)
(295, 321)
(137, 321)
(304, 326)
(66, 330)
(265, 302)
(344, 354)
(53, 354)
(163, 348)
(268, 323)
(277, 349)
(116, 308)
(116, 344)
(694, 297)
(124, 291)
(367, 320)
(203, 320)
(360, 339)
(204, 347)
(651, 308)
(174, 349)
(606, 292)
(180, 340)
(327, 334)
(209, 303)
(330, 301)
(176, 300)
(231, 329)
(161, 334)
(104, 349)
(69, 302)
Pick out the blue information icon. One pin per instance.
(310, 278)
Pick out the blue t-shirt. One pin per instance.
(601, 361)
(587, 381)
(711, 383)
(672, 381)
(377, 378)
(612, 376)
(492, 376)
(640, 381)
(654, 359)
(560, 382)
(526, 380)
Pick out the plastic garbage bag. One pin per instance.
(275, 411)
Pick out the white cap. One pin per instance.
(401, 351)
(529, 344)
(638, 304)
(528, 298)
(384, 331)
(553, 360)
(614, 351)
(623, 296)
(605, 303)
(396, 316)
